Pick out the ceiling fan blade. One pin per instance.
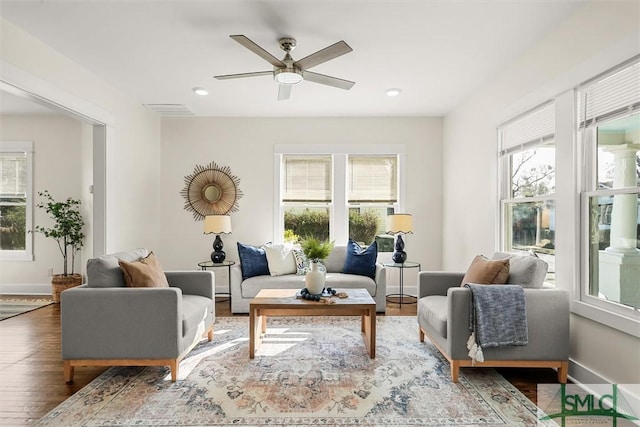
(253, 47)
(284, 92)
(242, 75)
(328, 80)
(324, 55)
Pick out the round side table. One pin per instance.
(205, 265)
(401, 297)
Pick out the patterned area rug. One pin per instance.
(11, 306)
(308, 371)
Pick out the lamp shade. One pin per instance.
(399, 224)
(217, 224)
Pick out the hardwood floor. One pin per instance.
(31, 382)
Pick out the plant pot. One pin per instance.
(59, 283)
(314, 279)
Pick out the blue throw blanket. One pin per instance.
(498, 318)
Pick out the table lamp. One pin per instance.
(399, 224)
(217, 224)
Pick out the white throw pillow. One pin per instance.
(525, 270)
(280, 259)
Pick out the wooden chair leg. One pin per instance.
(563, 372)
(455, 369)
(210, 334)
(174, 370)
(421, 332)
(68, 371)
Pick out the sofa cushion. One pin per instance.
(524, 270)
(194, 311)
(335, 260)
(250, 287)
(280, 259)
(144, 273)
(104, 271)
(253, 261)
(433, 311)
(361, 261)
(485, 271)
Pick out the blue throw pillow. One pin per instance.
(361, 262)
(253, 261)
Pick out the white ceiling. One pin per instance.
(437, 51)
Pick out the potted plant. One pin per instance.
(315, 251)
(67, 232)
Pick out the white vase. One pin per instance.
(314, 279)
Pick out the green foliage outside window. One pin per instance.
(307, 223)
(363, 226)
(13, 227)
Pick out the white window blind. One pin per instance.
(307, 179)
(13, 175)
(373, 179)
(532, 128)
(615, 94)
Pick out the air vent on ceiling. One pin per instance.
(170, 109)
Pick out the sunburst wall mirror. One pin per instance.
(211, 190)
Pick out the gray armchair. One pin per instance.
(444, 317)
(105, 323)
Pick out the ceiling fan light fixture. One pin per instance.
(288, 76)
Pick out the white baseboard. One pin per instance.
(583, 376)
(25, 288)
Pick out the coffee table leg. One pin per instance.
(368, 326)
(255, 331)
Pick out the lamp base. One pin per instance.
(218, 255)
(399, 255)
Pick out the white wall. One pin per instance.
(600, 35)
(133, 135)
(246, 145)
(57, 146)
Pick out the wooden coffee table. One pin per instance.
(283, 302)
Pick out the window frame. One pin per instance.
(27, 253)
(614, 315)
(534, 137)
(339, 208)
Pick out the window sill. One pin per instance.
(15, 256)
(617, 321)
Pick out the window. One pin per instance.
(15, 201)
(527, 185)
(372, 195)
(609, 134)
(306, 196)
(335, 193)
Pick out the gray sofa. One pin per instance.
(243, 291)
(444, 317)
(105, 323)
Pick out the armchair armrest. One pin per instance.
(547, 320)
(96, 323)
(200, 283)
(437, 282)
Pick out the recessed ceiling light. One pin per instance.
(200, 91)
(393, 92)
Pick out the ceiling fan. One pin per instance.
(288, 72)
